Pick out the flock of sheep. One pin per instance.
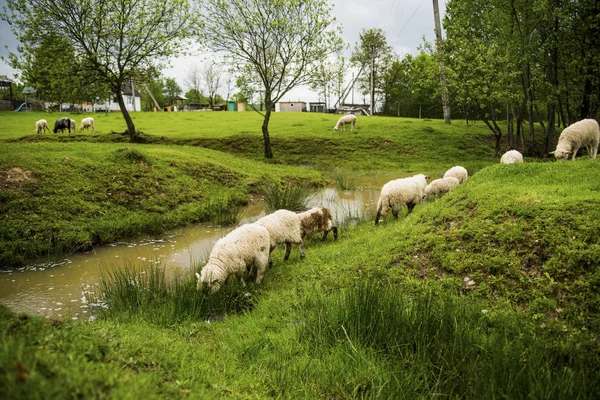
(41, 126)
(248, 247)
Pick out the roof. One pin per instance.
(127, 90)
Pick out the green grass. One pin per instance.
(490, 291)
(385, 311)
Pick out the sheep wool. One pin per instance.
(41, 126)
(583, 133)
(399, 193)
(345, 120)
(511, 157)
(283, 227)
(440, 186)
(458, 172)
(317, 219)
(73, 125)
(87, 123)
(240, 250)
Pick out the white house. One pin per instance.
(133, 103)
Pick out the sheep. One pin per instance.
(284, 226)
(343, 121)
(399, 193)
(583, 133)
(87, 123)
(440, 186)
(73, 125)
(511, 157)
(317, 219)
(41, 126)
(236, 253)
(458, 172)
(62, 124)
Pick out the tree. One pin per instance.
(117, 41)
(212, 75)
(328, 78)
(375, 54)
(171, 89)
(272, 42)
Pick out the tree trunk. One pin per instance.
(133, 135)
(265, 131)
(440, 51)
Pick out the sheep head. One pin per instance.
(210, 277)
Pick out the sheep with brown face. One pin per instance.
(317, 219)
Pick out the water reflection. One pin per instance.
(60, 288)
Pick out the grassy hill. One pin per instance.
(67, 192)
(489, 291)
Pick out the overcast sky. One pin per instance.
(404, 22)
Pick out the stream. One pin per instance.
(59, 288)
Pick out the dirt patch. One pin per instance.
(17, 175)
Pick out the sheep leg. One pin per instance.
(301, 248)
(410, 207)
(288, 250)
(378, 215)
(260, 264)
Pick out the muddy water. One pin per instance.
(60, 288)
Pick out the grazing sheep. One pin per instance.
(399, 193)
(458, 172)
(41, 126)
(511, 157)
(345, 120)
(440, 186)
(87, 123)
(62, 124)
(583, 133)
(236, 253)
(317, 219)
(284, 227)
(73, 125)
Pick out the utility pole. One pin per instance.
(440, 51)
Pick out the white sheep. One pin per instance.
(284, 226)
(399, 193)
(237, 252)
(511, 157)
(345, 120)
(87, 123)
(458, 172)
(73, 125)
(440, 186)
(317, 219)
(41, 126)
(583, 133)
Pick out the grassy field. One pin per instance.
(491, 291)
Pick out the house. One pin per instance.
(318, 107)
(132, 102)
(290, 106)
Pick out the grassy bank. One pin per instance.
(59, 198)
(68, 192)
(490, 291)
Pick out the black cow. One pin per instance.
(62, 124)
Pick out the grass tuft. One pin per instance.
(289, 197)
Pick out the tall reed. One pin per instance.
(440, 344)
(148, 292)
(290, 197)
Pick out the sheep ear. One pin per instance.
(198, 276)
(552, 152)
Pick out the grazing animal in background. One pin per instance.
(458, 172)
(87, 123)
(400, 193)
(41, 126)
(345, 120)
(579, 134)
(245, 248)
(62, 124)
(73, 125)
(440, 186)
(511, 157)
